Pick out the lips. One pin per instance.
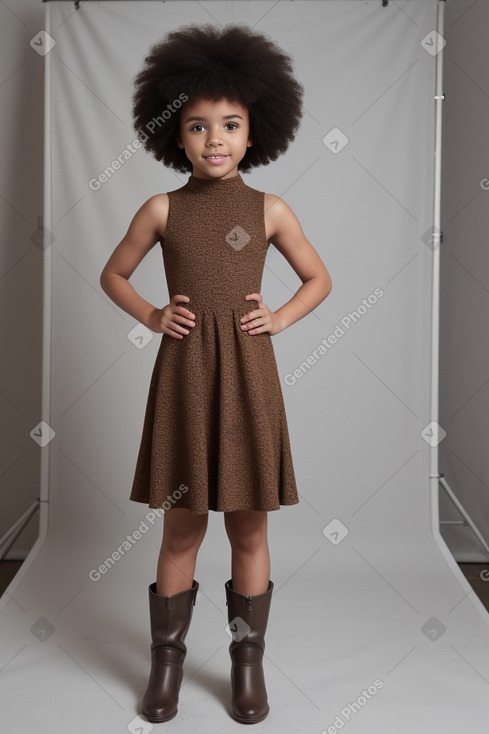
(216, 160)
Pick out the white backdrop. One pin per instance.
(349, 609)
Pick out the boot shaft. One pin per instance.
(253, 610)
(170, 616)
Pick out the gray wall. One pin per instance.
(21, 277)
(464, 296)
(464, 290)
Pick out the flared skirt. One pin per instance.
(215, 434)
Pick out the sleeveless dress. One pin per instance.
(215, 434)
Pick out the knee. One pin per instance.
(182, 543)
(246, 530)
(183, 539)
(247, 542)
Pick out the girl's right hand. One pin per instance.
(170, 319)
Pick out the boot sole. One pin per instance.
(243, 720)
(159, 719)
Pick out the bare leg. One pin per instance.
(250, 560)
(183, 533)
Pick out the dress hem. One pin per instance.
(212, 509)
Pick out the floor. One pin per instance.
(393, 652)
(8, 569)
(471, 571)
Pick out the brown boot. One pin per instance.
(249, 695)
(170, 618)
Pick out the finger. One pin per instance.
(251, 316)
(178, 329)
(182, 312)
(257, 313)
(169, 332)
(256, 330)
(253, 323)
(176, 298)
(251, 297)
(187, 322)
(183, 322)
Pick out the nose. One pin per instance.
(213, 137)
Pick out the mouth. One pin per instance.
(215, 158)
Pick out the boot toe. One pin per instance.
(249, 696)
(158, 713)
(250, 714)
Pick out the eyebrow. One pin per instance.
(204, 119)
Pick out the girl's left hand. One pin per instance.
(261, 319)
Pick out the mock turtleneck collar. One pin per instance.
(215, 184)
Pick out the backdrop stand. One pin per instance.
(467, 521)
(13, 533)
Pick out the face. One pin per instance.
(215, 136)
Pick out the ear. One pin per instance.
(249, 143)
(179, 142)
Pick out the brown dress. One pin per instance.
(215, 433)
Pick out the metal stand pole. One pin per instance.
(11, 535)
(468, 520)
(436, 477)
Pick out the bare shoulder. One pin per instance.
(278, 215)
(157, 208)
(146, 228)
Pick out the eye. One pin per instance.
(196, 125)
(232, 123)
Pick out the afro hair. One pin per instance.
(204, 62)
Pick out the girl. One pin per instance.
(213, 103)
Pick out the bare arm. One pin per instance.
(146, 228)
(285, 232)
